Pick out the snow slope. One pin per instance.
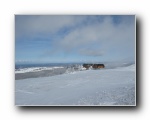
(91, 87)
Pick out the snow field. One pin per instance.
(91, 87)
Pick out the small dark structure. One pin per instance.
(94, 66)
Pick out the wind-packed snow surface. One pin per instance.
(104, 87)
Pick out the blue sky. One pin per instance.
(74, 38)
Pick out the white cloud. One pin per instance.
(87, 35)
(31, 25)
(90, 52)
(106, 35)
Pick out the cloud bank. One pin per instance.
(106, 37)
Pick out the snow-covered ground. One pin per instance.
(105, 87)
(35, 69)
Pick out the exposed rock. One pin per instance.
(94, 66)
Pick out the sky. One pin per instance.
(74, 38)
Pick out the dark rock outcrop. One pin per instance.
(94, 66)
